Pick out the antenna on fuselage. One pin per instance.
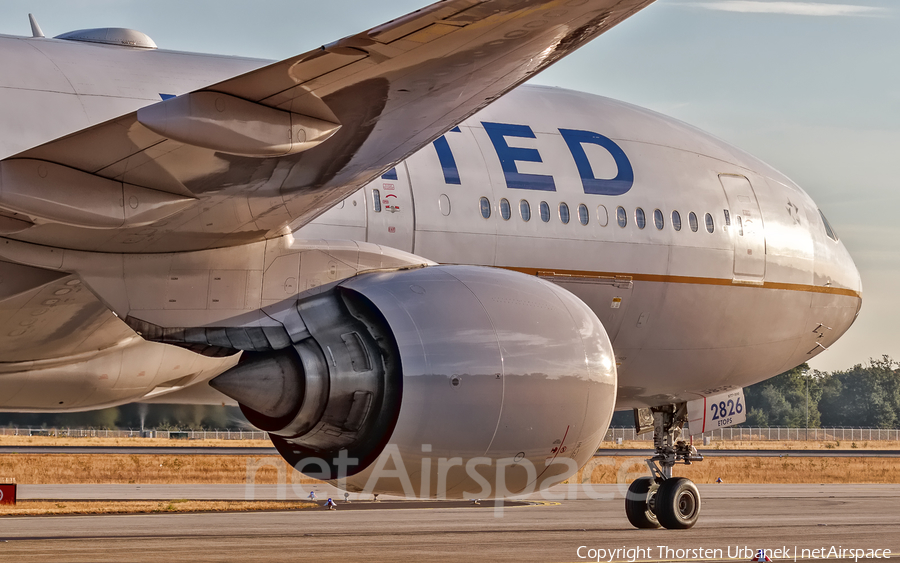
(35, 28)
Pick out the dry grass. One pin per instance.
(774, 470)
(152, 469)
(43, 508)
(215, 469)
(53, 469)
(134, 442)
(769, 445)
(65, 469)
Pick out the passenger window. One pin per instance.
(658, 220)
(602, 215)
(545, 212)
(504, 209)
(485, 208)
(828, 230)
(676, 220)
(621, 216)
(640, 218)
(710, 224)
(564, 213)
(525, 210)
(740, 226)
(584, 216)
(692, 221)
(727, 218)
(376, 201)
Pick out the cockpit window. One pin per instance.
(828, 230)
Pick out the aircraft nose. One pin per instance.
(856, 275)
(853, 276)
(835, 267)
(845, 273)
(856, 280)
(836, 270)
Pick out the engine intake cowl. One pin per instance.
(337, 388)
(438, 381)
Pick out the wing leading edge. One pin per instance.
(244, 159)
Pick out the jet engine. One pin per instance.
(441, 381)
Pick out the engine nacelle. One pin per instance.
(445, 381)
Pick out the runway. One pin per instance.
(707, 452)
(255, 451)
(139, 450)
(733, 516)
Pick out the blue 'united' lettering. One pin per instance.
(498, 132)
(624, 179)
(509, 156)
(445, 156)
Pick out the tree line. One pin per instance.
(866, 395)
(136, 416)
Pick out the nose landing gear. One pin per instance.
(640, 503)
(663, 500)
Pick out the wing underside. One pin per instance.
(270, 150)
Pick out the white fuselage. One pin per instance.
(688, 311)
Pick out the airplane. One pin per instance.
(418, 275)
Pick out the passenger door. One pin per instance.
(389, 210)
(748, 231)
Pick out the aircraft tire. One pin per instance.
(677, 503)
(639, 503)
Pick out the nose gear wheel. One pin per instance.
(662, 500)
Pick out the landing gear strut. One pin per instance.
(663, 500)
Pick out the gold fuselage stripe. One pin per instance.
(584, 275)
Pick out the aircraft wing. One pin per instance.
(244, 159)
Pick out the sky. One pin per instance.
(811, 87)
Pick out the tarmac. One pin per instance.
(142, 450)
(264, 451)
(568, 523)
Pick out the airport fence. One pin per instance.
(737, 433)
(165, 434)
(612, 435)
